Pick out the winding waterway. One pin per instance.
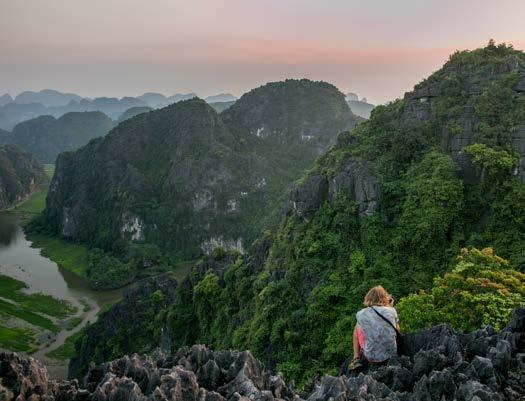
(22, 262)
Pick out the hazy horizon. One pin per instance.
(120, 48)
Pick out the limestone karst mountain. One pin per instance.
(20, 174)
(45, 137)
(188, 179)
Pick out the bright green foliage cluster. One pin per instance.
(496, 161)
(481, 290)
(107, 272)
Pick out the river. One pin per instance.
(22, 262)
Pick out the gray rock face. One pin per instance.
(355, 180)
(436, 364)
(420, 104)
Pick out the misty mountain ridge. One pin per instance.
(30, 104)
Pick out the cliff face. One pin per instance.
(436, 364)
(292, 113)
(190, 180)
(46, 137)
(20, 174)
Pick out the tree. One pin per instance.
(481, 290)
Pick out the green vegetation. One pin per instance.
(68, 255)
(292, 299)
(7, 309)
(36, 203)
(184, 175)
(16, 339)
(73, 322)
(107, 272)
(33, 206)
(308, 278)
(32, 308)
(10, 289)
(66, 350)
(481, 290)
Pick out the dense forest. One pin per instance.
(426, 198)
(184, 180)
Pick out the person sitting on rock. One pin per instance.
(374, 334)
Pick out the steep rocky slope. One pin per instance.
(436, 364)
(20, 174)
(188, 179)
(391, 203)
(46, 137)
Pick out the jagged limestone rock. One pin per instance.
(428, 369)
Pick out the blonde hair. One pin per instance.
(377, 296)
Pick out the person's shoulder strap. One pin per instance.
(384, 318)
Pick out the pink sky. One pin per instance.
(378, 49)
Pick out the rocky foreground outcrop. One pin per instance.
(436, 364)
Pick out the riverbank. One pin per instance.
(36, 202)
(67, 255)
(29, 319)
(42, 277)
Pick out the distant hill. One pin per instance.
(20, 174)
(359, 107)
(181, 96)
(132, 112)
(222, 97)
(188, 179)
(47, 97)
(13, 113)
(351, 96)
(6, 98)
(45, 136)
(157, 100)
(154, 100)
(221, 106)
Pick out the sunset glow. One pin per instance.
(115, 48)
